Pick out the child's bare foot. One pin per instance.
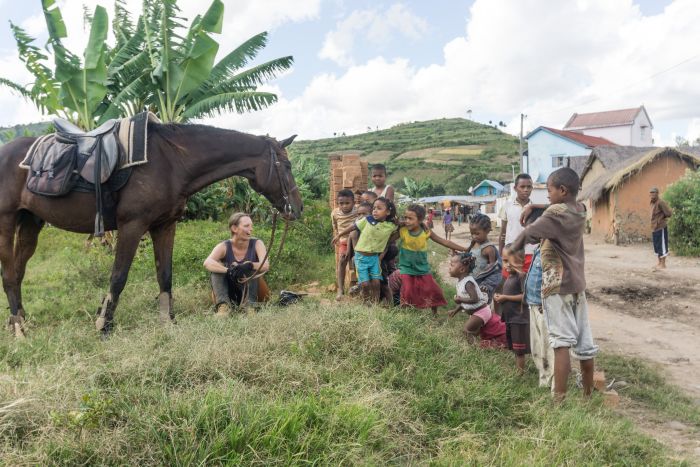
(339, 296)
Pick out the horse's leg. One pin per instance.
(127, 243)
(26, 239)
(163, 239)
(9, 273)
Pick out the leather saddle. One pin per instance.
(99, 147)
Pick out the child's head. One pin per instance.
(513, 260)
(345, 200)
(369, 197)
(358, 196)
(364, 210)
(383, 210)
(479, 227)
(379, 175)
(462, 264)
(523, 186)
(562, 185)
(414, 216)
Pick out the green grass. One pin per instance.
(312, 383)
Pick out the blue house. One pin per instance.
(548, 149)
(487, 187)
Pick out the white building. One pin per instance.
(626, 127)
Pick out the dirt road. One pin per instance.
(636, 311)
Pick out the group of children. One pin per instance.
(534, 277)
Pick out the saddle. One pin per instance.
(75, 160)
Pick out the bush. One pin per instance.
(684, 226)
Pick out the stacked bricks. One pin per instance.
(347, 172)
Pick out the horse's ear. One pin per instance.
(286, 142)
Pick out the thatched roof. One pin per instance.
(622, 162)
(578, 163)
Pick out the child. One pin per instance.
(487, 271)
(542, 352)
(430, 218)
(563, 282)
(418, 288)
(363, 210)
(447, 224)
(375, 231)
(483, 324)
(381, 189)
(343, 217)
(369, 197)
(510, 217)
(513, 311)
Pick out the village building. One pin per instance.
(625, 127)
(550, 149)
(615, 185)
(487, 188)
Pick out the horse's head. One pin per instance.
(274, 180)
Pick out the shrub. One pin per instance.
(684, 226)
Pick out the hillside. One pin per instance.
(452, 154)
(31, 129)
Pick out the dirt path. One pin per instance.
(636, 311)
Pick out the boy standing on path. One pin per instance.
(342, 217)
(510, 218)
(660, 213)
(563, 281)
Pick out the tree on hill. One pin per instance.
(156, 64)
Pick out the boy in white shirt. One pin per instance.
(510, 218)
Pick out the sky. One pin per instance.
(373, 64)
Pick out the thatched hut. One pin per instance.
(616, 182)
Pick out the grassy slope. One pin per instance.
(491, 154)
(309, 383)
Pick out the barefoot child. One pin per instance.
(487, 271)
(483, 324)
(418, 288)
(343, 217)
(375, 231)
(513, 311)
(563, 281)
(363, 210)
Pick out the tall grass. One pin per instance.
(307, 384)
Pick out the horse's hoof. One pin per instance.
(16, 326)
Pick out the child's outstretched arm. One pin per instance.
(343, 234)
(527, 210)
(546, 227)
(446, 243)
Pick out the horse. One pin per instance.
(182, 160)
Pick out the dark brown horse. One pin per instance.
(183, 159)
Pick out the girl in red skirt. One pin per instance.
(418, 288)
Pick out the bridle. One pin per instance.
(287, 209)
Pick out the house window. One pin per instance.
(558, 160)
(642, 130)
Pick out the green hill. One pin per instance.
(31, 129)
(453, 154)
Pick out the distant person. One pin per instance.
(483, 325)
(342, 217)
(514, 312)
(560, 229)
(381, 189)
(447, 224)
(418, 287)
(460, 216)
(660, 213)
(429, 221)
(233, 262)
(510, 218)
(487, 268)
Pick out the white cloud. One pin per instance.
(376, 26)
(579, 57)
